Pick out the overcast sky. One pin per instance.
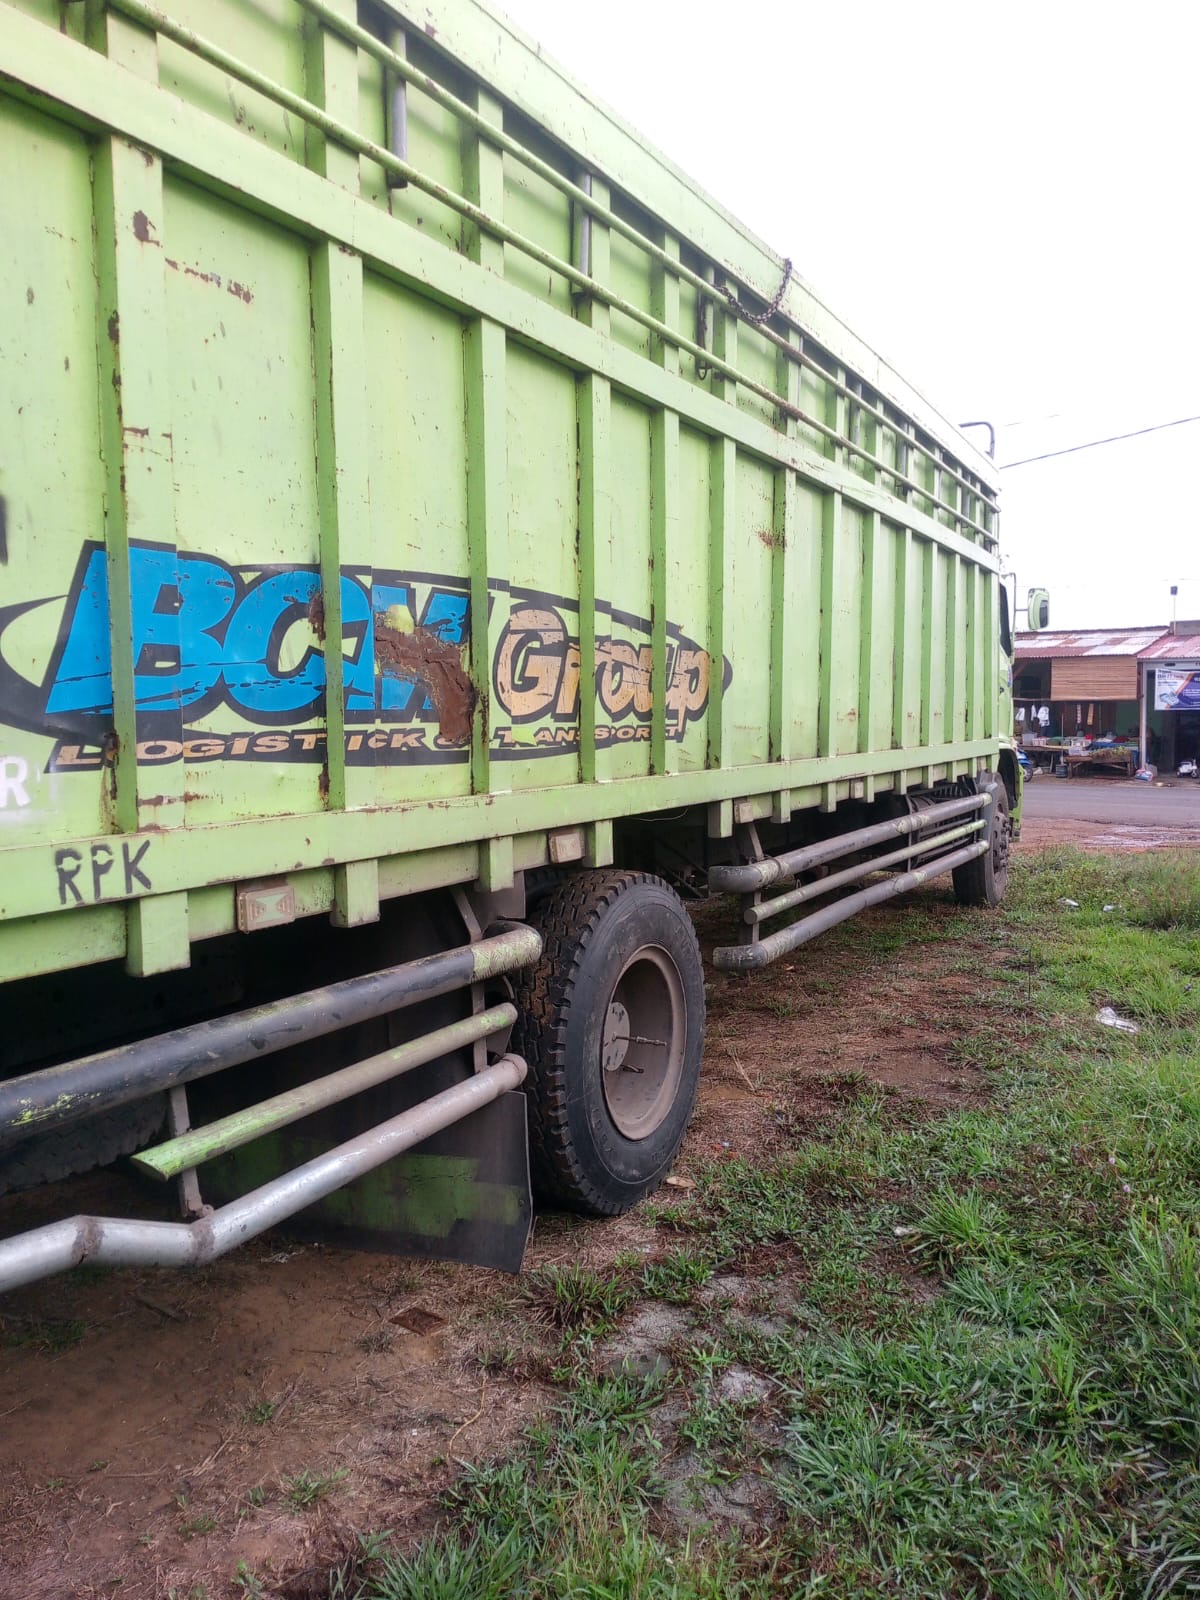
(1003, 200)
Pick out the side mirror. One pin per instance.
(1039, 610)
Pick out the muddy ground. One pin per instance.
(158, 1429)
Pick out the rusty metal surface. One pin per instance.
(1085, 642)
(435, 662)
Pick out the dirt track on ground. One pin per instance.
(150, 1453)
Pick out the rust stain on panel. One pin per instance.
(436, 663)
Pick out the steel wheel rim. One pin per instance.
(642, 1044)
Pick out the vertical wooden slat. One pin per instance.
(137, 444)
(595, 492)
(343, 469)
(487, 472)
(664, 505)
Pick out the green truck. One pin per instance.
(435, 541)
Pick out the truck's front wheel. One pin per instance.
(612, 1027)
(982, 882)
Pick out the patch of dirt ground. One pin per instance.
(1042, 833)
(158, 1429)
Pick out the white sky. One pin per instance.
(1002, 199)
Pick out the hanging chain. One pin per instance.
(759, 317)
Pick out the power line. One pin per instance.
(1093, 443)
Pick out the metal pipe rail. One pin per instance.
(125, 1241)
(820, 887)
(579, 195)
(750, 876)
(197, 1145)
(751, 957)
(206, 50)
(77, 1089)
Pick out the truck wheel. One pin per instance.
(612, 1028)
(982, 882)
(65, 1152)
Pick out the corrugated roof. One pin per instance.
(1183, 646)
(1085, 642)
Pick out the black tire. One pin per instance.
(982, 882)
(65, 1152)
(608, 1110)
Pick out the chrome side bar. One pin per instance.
(820, 887)
(122, 1241)
(750, 957)
(748, 877)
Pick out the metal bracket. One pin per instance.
(396, 111)
(191, 1203)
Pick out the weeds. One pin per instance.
(576, 1297)
(193, 1527)
(49, 1335)
(676, 1278)
(305, 1489)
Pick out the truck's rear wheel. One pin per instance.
(982, 882)
(64, 1152)
(612, 1027)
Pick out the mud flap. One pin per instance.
(463, 1195)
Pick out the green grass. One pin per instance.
(575, 1297)
(50, 1335)
(989, 1385)
(305, 1489)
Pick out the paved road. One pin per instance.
(1115, 800)
(1111, 814)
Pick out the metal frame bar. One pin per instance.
(123, 1241)
(331, 127)
(751, 957)
(55, 1096)
(805, 892)
(195, 1145)
(594, 207)
(747, 877)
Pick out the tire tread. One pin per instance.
(567, 918)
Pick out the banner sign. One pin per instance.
(1176, 691)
